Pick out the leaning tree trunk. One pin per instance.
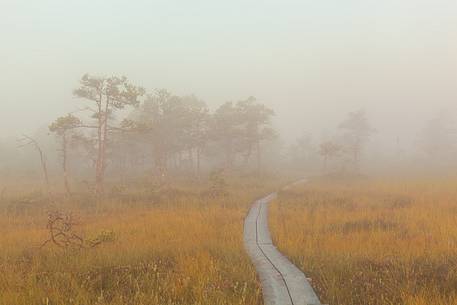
(45, 170)
(44, 167)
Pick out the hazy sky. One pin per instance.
(312, 61)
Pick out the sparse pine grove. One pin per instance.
(155, 152)
(142, 196)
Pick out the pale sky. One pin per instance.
(311, 61)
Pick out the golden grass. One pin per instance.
(184, 248)
(390, 241)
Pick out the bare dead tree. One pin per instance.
(29, 141)
(61, 233)
(61, 227)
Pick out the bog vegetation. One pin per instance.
(144, 202)
(373, 242)
(179, 244)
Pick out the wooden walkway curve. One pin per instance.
(282, 282)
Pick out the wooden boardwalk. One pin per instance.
(282, 282)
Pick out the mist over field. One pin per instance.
(311, 62)
(228, 152)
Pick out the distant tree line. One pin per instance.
(346, 146)
(169, 132)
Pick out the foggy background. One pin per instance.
(310, 61)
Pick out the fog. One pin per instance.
(312, 62)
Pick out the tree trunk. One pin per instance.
(44, 167)
(103, 138)
(228, 154)
(198, 162)
(356, 160)
(191, 160)
(45, 170)
(247, 156)
(160, 162)
(104, 144)
(64, 163)
(258, 157)
(99, 189)
(98, 166)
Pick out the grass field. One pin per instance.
(174, 246)
(387, 241)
